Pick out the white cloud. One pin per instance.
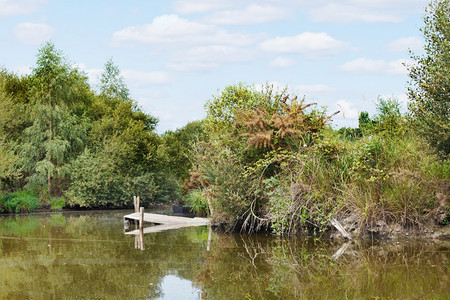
(19, 7)
(312, 45)
(347, 109)
(33, 33)
(139, 78)
(214, 53)
(371, 66)
(368, 11)
(253, 14)
(281, 62)
(350, 13)
(208, 57)
(200, 6)
(192, 66)
(171, 29)
(405, 43)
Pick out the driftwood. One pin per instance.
(340, 251)
(341, 229)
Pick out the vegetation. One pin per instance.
(71, 145)
(430, 83)
(274, 163)
(261, 158)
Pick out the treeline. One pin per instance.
(63, 143)
(261, 158)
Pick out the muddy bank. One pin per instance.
(383, 230)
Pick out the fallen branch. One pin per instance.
(341, 229)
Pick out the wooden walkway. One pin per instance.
(167, 222)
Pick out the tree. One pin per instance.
(430, 78)
(56, 134)
(112, 84)
(177, 147)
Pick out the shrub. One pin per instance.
(20, 201)
(198, 202)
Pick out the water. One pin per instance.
(86, 255)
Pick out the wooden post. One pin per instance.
(135, 204)
(141, 218)
(138, 204)
(141, 239)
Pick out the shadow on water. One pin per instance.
(86, 255)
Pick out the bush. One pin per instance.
(57, 203)
(20, 201)
(198, 202)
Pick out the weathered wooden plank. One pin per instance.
(164, 219)
(158, 228)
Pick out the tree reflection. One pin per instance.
(88, 256)
(261, 267)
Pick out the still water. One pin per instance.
(87, 255)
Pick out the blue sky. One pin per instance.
(177, 54)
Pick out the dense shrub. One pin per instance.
(20, 201)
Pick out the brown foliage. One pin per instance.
(286, 128)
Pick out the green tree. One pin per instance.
(178, 146)
(112, 84)
(14, 118)
(57, 134)
(121, 158)
(430, 78)
(389, 119)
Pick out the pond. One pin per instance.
(87, 255)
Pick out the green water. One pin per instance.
(86, 255)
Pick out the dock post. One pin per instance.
(141, 218)
(138, 204)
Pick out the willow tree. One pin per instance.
(56, 133)
(430, 78)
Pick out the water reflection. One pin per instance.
(87, 255)
(139, 234)
(257, 267)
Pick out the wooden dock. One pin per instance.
(167, 222)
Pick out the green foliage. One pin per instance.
(112, 85)
(430, 80)
(98, 182)
(61, 140)
(177, 147)
(56, 134)
(365, 124)
(57, 203)
(389, 120)
(20, 201)
(253, 159)
(198, 202)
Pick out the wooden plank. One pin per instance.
(158, 228)
(164, 219)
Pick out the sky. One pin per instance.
(175, 55)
